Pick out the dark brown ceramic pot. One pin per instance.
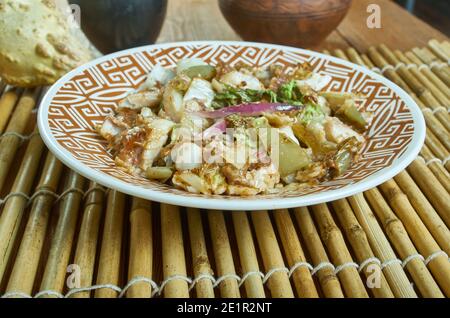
(300, 23)
(114, 25)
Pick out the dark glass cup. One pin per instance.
(114, 25)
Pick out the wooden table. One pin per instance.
(189, 20)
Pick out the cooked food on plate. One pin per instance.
(236, 130)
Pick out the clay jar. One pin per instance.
(300, 23)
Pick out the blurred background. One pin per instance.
(114, 25)
(434, 12)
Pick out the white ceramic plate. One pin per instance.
(83, 97)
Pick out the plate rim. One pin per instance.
(375, 179)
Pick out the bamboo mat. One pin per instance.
(63, 236)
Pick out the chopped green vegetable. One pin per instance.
(279, 119)
(159, 173)
(310, 113)
(261, 122)
(302, 71)
(309, 135)
(181, 82)
(272, 96)
(287, 93)
(206, 72)
(343, 158)
(352, 115)
(290, 93)
(336, 100)
(292, 157)
(343, 105)
(234, 96)
(342, 161)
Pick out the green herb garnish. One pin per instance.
(234, 96)
(310, 113)
(289, 93)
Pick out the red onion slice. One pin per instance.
(216, 129)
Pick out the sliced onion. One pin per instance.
(218, 128)
(252, 109)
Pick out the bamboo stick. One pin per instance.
(422, 92)
(431, 187)
(380, 62)
(329, 283)
(425, 210)
(278, 282)
(437, 137)
(14, 207)
(430, 139)
(7, 103)
(368, 62)
(222, 254)
(302, 278)
(383, 61)
(433, 125)
(247, 255)
(427, 57)
(436, 147)
(407, 76)
(435, 91)
(355, 57)
(200, 259)
(398, 281)
(111, 247)
(340, 54)
(9, 144)
(140, 260)
(402, 243)
(426, 71)
(444, 58)
(61, 245)
(445, 45)
(437, 50)
(431, 56)
(358, 240)
(439, 266)
(23, 275)
(339, 254)
(431, 121)
(436, 126)
(86, 249)
(436, 167)
(407, 61)
(430, 136)
(173, 252)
